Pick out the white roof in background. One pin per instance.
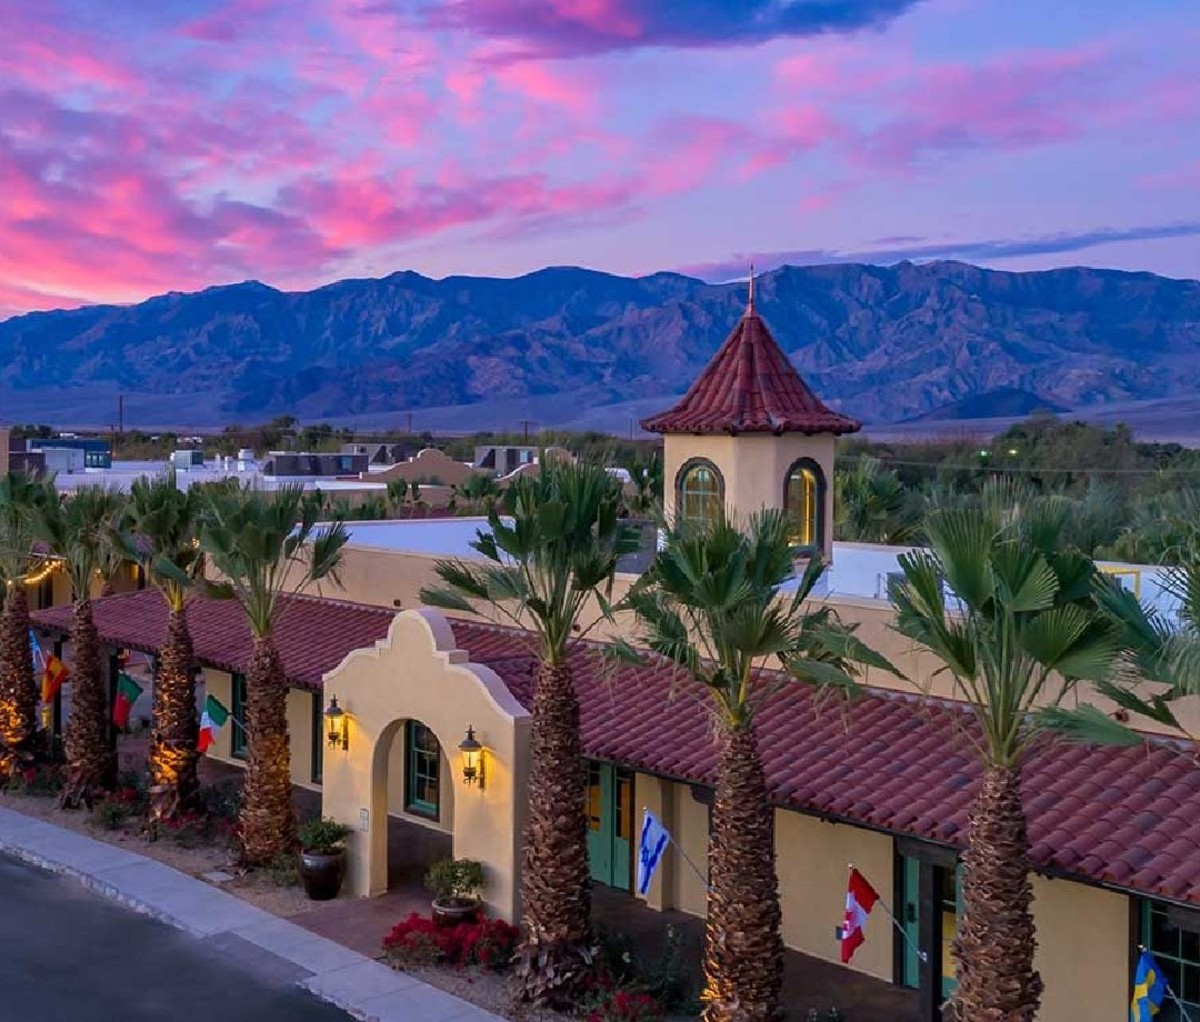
(123, 474)
(859, 570)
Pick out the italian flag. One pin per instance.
(211, 721)
(860, 899)
(128, 691)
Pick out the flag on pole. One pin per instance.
(54, 673)
(1149, 990)
(36, 648)
(128, 691)
(655, 839)
(211, 721)
(860, 899)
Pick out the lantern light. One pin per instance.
(472, 753)
(336, 724)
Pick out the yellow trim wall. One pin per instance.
(1083, 951)
(811, 860)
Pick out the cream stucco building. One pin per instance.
(883, 783)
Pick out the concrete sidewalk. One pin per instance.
(365, 988)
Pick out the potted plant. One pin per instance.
(323, 857)
(456, 885)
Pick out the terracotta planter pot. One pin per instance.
(451, 913)
(322, 874)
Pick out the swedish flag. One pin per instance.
(1149, 990)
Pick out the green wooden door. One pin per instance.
(610, 823)
(949, 899)
(909, 920)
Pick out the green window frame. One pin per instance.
(318, 738)
(422, 775)
(1177, 951)
(237, 731)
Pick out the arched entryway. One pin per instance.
(412, 765)
(417, 676)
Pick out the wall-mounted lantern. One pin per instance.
(337, 725)
(472, 754)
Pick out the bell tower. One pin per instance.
(750, 434)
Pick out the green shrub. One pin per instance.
(110, 814)
(455, 881)
(323, 836)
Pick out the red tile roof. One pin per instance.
(1127, 818)
(313, 635)
(750, 386)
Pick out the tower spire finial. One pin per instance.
(750, 302)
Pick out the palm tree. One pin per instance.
(267, 545)
(164, 522)
(872, 506)
(555, 549)
(82, 528)
(713, 602)
(646, 487)
(1025, 630)
(20, 498)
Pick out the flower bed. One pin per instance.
(419, 941)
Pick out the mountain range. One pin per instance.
(566, 346)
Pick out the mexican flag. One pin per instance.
(128, 691)
(211, 721)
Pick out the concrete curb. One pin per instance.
(358, 985)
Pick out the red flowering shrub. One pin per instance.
(490, 943)
(625, 1006)
(414, 942)
(418, 940)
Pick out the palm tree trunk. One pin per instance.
(173, 756)
(743, 949)
(18, 688)
(555, 876)
(996, 937)
(91, 760)
(268, 819)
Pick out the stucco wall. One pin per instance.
(416, 672)
(1083, 952)
(812, 860)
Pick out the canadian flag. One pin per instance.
(860, 899)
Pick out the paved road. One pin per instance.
(68, 955)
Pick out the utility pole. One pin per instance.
(410, 423)
(120, 418)
(525, 424)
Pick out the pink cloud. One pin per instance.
(537, 81)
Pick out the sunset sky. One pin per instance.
(174, 144)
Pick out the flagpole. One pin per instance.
(899, 926)
(1170, 993)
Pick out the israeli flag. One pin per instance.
(655, 839)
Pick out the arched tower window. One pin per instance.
(701, 491)
(804, 501)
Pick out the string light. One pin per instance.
(49, 566)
